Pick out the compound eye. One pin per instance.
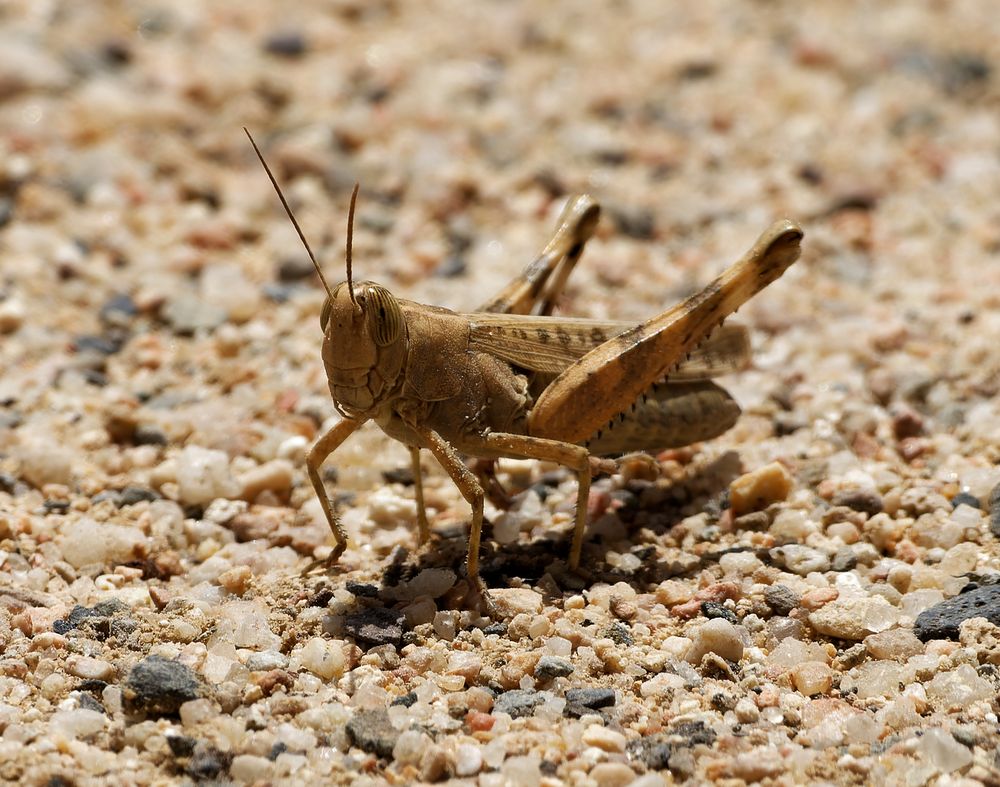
(324, 315)
(385, 319)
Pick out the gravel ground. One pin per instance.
(810, 598)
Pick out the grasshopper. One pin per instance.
(511, 380)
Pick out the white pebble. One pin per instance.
(522, 771)
(324, 658)
(86, 542)
(194, 712)
(468, 759)
(43, 461)
(410, 747)
(957, 689)
(431, 582)
(225, 286)
(558, 646)
(77, 723)
(203, 475)
(266, 660)
(293, 448)
(244, 625)
(445, 623)
(943, 751)
(89, 668)
(249, 768)
(601, 737)
(716, 636)
(12, 314)
(612, 774)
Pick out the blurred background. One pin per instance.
(160, 376)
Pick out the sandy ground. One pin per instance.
(161, 381)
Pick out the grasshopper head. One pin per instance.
(364, 344)
(364, 333)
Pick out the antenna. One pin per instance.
(298, 229)
(350, 240)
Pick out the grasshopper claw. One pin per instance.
(326, 563)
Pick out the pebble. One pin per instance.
(591, 698)
(942, 621)
(118, 310)
(468, 759)
(818, 597)
(549, 667)
(433, 763)
(867, 501)
(854, 618)
(266, 660)
(77, 723)
(942, 751)
(322, 657)
(716, 636)
(274, 476)
(812, 678)
(897, 644)
(203, 475)
(603, 738)
(994, 508)
(131, 495)
(375, 626)
(250, 768)
(89, 543)
(187, 314)
(957, 689)
(612, 774)
(12, 314)
(523, 771)
(519, 703)
(90, 668)
(965, 499)
(781, 599)
(468, 664)
(516, 601)
(844, 559)
(410, 746)
(431, 583)
(290, 44)
(371, 730)
(801, 560)
(45, 462)
(159, 686)
(757, 490)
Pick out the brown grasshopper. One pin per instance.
(506, 382)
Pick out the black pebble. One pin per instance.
(406, 700)
(964, 498)
(592, 698)
(181, 745)
(159, 686)
(518, 703)
(713, 609)
(147, 434)
(376, 626)
(277, 750)
(118, 310)
(363, 589)
(942, 620)
(286, 43)
(131, 495)
(619, 634)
